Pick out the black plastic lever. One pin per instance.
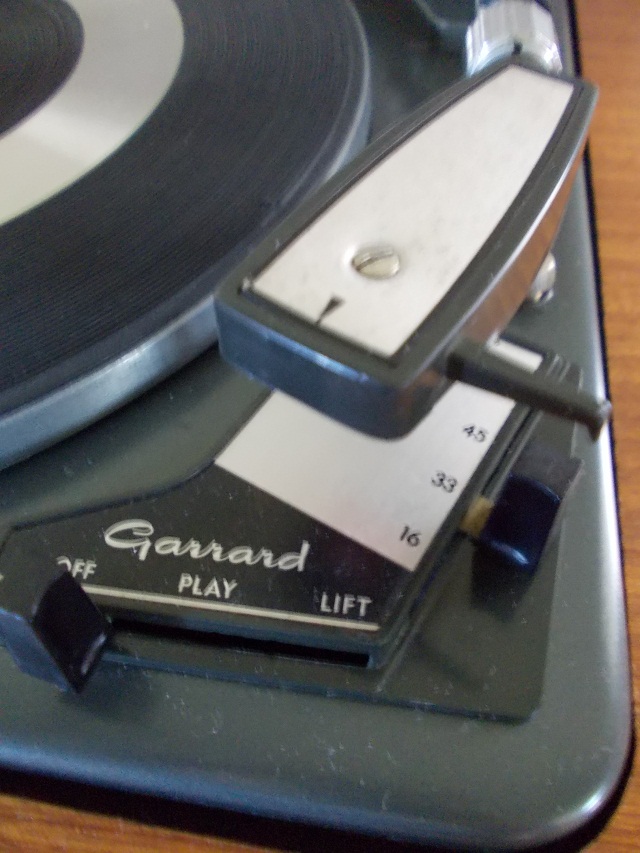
(50, 626)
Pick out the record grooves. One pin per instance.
(268, 98)
(40, 42)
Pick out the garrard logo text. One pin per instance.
(136, 535)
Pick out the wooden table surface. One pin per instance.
(37, 815)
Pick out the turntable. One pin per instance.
(381, 597)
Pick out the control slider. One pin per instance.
(515, 524)
(50, 626)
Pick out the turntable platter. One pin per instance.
(106, 278)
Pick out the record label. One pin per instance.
(130, 55)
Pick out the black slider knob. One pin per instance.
(51, 627)
(516, 524)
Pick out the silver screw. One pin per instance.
(377, 262)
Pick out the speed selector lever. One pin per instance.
(387, 285)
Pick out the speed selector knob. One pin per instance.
(515, 525)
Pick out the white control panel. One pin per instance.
(390, 496)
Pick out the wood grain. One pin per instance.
(31, 818)
(610, 48)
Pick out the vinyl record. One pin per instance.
(183, 131)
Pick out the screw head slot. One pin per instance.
(377, 262)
